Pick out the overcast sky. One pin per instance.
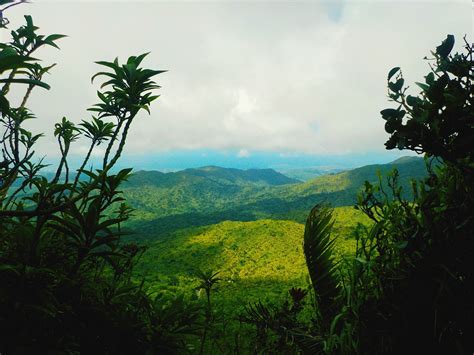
(280, 77)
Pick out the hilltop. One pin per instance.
(166, 202)
(251, 256)
(210, 174)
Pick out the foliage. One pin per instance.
(259, 262)
(168, 202)
(410, 284)
(318, 250)
(276, 325)
(66, 278)
(208, 279)
(439, 121)
(421, 251)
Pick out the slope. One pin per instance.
(257, 260)
(196, 197)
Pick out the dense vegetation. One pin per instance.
(228, 267)
(65, 277)
(257, 261)
(305, 174)
(265, 251)
(168, 202)
(410, 286)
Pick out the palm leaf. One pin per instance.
(318, 250)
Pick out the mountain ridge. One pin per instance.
(215, 173)
(199, 200)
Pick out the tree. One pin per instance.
(410, 285)
(65, 274)
(207, 280)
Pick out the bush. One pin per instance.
(410, 286)
(65, 275)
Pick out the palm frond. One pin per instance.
(318, 250)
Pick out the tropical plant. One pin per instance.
(318, 247)
(409, 287)
(278, 327)
(65, 275)
(207, 280)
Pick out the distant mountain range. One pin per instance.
(166, 202)
(211, 174)
(305, 174)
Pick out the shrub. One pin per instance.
(65, 275)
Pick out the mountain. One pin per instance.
(206, 189)
(168, 202)
(406, 160)
(251, 176)
(305, 174)
(211, 174)
(263, 257)
(351, 180)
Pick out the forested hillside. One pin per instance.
(97, 260)
(256, 261)
(305, 174)
(262, 252)
(198, 197)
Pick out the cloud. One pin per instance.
(309, 78)
(243, 153)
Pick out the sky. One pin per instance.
(249, 83)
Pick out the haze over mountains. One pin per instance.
(166, 202)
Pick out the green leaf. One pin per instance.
(402, 245)
(52, 38)
(392, 72)
(4, 104)
(4, 2)
(318, 249)
(29, 20)
(392, 125)
(26, 81)
(430, 78)
(445, 48)
(412, 100)
(423, 86)
(389, 113)
(396, 87)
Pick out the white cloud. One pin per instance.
(239, 78)
(243, 153)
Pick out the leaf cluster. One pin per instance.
(437, 121)
(65, 273)
(409, 286)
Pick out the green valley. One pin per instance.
(168, 202)
(257, 261)
(246, 225)
(98, 257)
(250, 256)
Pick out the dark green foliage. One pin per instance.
(424, 249)
(277, 326)
(207, 281)
(438, 122)
(318, 250)
(65, 276)
(410, 285)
